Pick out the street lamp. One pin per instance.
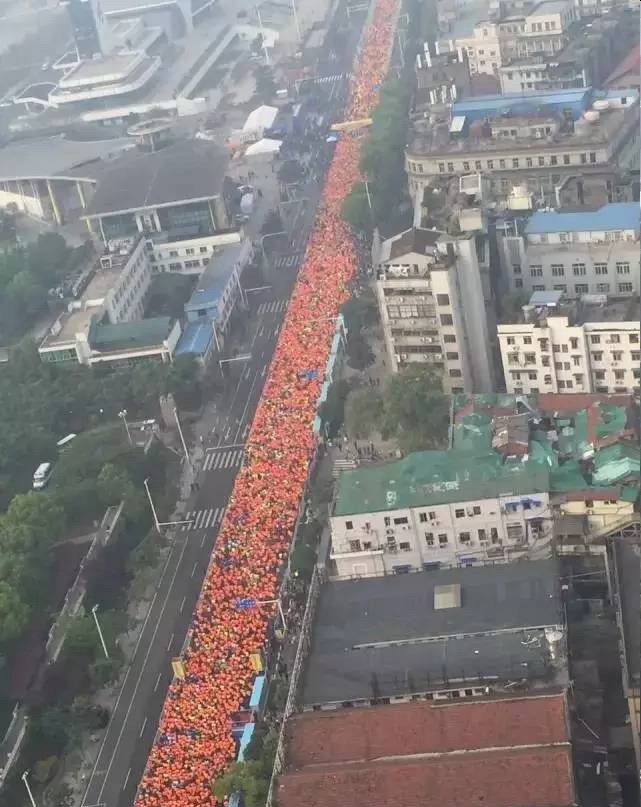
(157, 523)
(99, 629)
(269, 235)
(29, 793)
(182, 438)
(123, 416)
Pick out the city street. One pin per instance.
(130, 734)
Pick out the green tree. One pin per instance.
(14, 613)
(415, 409)
(364, 412)
(113, 484)
(52, 728)
(356, 211)
(332, 410)
(359, 353)
(265, 84)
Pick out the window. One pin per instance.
(516, 268)
(401, 520)
(456, 374)
(624, 288)
(600, 268)
(482, 535)
(566, 159)
(560, 287)
(595, 339)
(515, 162)
(443, 299)
(501, 163)
(536, 271)
(532, 376)
(441, 168)
(574, 343)
(536, 287)
(422, 517)
(494, 535)
(429, 538)
(476, 510)
(387, 521)
(203, 250)
(477, 165)
(619, 375)
(580, 288)
(452, 356)
(449, 338)
(553, 159)
(466, 165)
(442, 539)
(511, 340)
(354, 546)
(593, 156)
(634, 338)
(464, 537)
(558, 270)
(584, 158)
(450, 167)
(527, 340)
(615, 338)
(603, 288)
(635, 355)
(446, 319)
(597, 356)
(576, 361)
(404, 546)
(349, 525)
(459, 513)
(490, 164)
(541, 160)
(617, 355)
(578, 269)
(547, 379)
(518, 283)
(623, 268)
(528, 162)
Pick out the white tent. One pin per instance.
(264, 146)
(260, 119)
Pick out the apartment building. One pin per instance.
(581, 346)
(434, 296)
(537, 28)
(577, 144)
(591, 53)
(438, 508)
(576, 253)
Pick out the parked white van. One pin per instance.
(42, 476)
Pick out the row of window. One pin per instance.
(595, 339)
(580, 288)
(501, 163)
(578, 269)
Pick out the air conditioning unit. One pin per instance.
(106, 262)
(389, 532)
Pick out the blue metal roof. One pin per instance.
(615, 216)
(215, 278)
(578, 99)
(195, 339)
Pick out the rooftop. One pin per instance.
(610, 311)
(63, 334)
(615, 216)
(528, 103)
(415, 239)
(107, 68)
(57, 158)
(438, 477)
(195, 339)
(383, 636)
(215, 279)
(141, 333)
(190, 170)
(631, 63)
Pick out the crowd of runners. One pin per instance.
(194, 744)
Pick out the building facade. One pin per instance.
(577, 253)
(577, 348)
(577, 145)
(448, 522)
(433, 296)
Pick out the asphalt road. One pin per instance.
(130, 734)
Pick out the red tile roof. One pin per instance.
(570, 403)
(511, 752)
(531, 778)
(424, 727)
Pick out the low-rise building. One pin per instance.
(434, 295)
(577, 144)
(442, 76)
(509, 752)
(590, 345)
(575, 252)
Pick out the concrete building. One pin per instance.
(433, 295)
(586, 60)
(441, 76)
(577, 253)
(587, 346)
(511, 751)
(539, 27)
(106, 324)
(437, 635)
(180, 191)
(577, 145)
(218, 293)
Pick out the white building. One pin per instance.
(576, 253)
(439, 508)
(433, 295)
(582, 347)
(187, 256)
(541, 29)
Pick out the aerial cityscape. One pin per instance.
(320, 362)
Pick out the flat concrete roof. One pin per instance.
(77, 321)
(386, 630)
(187, 171)
(626, 555)
(57, 158)
(119, 65)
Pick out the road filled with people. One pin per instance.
(194, 744)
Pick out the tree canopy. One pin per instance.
(411, 407)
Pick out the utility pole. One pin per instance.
(369, 198)
(182, 438)
(29, 793)
(99, 629)
(151, 504)
(123, 416)
(294, 9)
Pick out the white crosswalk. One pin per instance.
(329, 79)
(203, 519)
(286, 261)
(222, 460)
(272, 307)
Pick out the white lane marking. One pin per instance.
(144, 664)
(202, 543)
(263, 371)
(249, 395)
(193, 571)
(171, 639)
(142, 730)
(126, 779)
(158, 681)
(182, 604)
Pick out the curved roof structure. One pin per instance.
(57, 158)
